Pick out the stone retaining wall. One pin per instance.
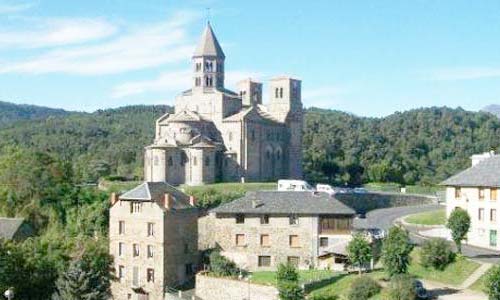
(363, 203)
(216, 288)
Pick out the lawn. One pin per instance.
(269, 277)
(435, 217)
(478, 286)
(454, 274)
(396, 188)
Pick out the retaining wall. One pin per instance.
(363, 203)
(216, 288)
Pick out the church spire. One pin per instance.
(208, 45)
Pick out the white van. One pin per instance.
(294, 185)
(325, 188)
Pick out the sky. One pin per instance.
(370, 58)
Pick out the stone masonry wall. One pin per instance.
(213, 288)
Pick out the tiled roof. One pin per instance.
(278, 202)
(484, 174)
(9, 227)
(209, 46)
(251, 111)
(155, 191)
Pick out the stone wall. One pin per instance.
(214, 288)
(362, 203)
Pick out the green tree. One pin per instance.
(436, 253)
(459, 224)
(76, 284)
(492, 283)
(287, 272)
(359, 251)
(288, 283)
(396, 251)
(221, 266)
(402, 287)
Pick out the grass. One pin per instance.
(269, 277)
(478, 286)
(396, 188)
(455, 273)
(436, 217)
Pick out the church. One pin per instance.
(219, 135)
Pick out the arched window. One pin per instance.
(281, 92)
(276, 92)
(197, 81)
(207, 161)
(170, 161)
(278, 155)
(268, 154)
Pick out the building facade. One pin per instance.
(216, 134)
(476, 191)
(153, 239)
(264, 229)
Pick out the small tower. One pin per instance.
(250, 92)
(208, 62)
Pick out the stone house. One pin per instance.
(266, 228)
(476, 191)
(216, 134)
(153, 239)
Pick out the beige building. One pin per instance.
(216, 134)
(264, 229)
(153, 239)
(476, 190)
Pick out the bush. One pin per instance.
(324, 297)
(396, 251)
(221, 266)
(436, 253)
(363, 288)
(492, 283)
(402, 287)
(290, 291)
(287, 272)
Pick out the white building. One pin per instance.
(476, 191)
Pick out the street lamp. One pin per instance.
(9, 294)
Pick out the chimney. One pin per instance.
(192, 200)
(113, 199)
(168, 201)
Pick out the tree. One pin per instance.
(436, 253)
(396, 251)
(492, 283)
(359, 251)
(288, 283)
(221, 266)
(287, 272)
(402, 287)
(76, 284)
(459, 224)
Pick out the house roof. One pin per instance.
(484, 174)
(155, 191)
(9, 227)
(281, 202)
(208, 45)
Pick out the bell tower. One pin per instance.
(208, 62)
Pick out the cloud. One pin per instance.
(173, 81)
(453, 74)
(138, 47)
(322, 97)
(14, 8)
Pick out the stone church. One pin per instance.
(219, 135)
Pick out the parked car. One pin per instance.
(376, 233)
(325, 188)
(294, 185)
(360, 190)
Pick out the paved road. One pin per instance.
(385, 218)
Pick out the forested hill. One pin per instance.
(418, 146)
(10, 113)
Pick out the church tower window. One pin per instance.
(276, 93)
(198, 67)
(197, 81)
(281, 92)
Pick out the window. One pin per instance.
(151, 251)
(480, 215)
(150, 275)
(264, 220)
(151, 229)
(197, 81)
(277, 93)
(120, 249)
(293, 240)
(198, 67)
(493, 194)
(335, 224)
(240, 219)
(293, 220)
(264, 261)
(121, 227)
(121, 272)
(458, 193)
(135, 249)
(493, 215)
(293, 260)
(207, 161)
(281, 92)
(240, 240)
(264, 240)
(135, 276)
(323, 242)
(135, 207)
(481, 194)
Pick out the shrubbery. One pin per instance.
(402, 287)
(363, 288)
(492, 283)
(396, 251)
(221, 266)
(436, 253)
(324, 297)
(288, 283)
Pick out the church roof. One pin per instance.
(209, 46)
(185, 116)
(251, 111)
(154, 192)
(202, 141)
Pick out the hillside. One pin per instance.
(421, 146)
(11, 113)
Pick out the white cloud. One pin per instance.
(322, 97)
(135, 48)
(6, 8)
(463, 73)
(173, 81)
